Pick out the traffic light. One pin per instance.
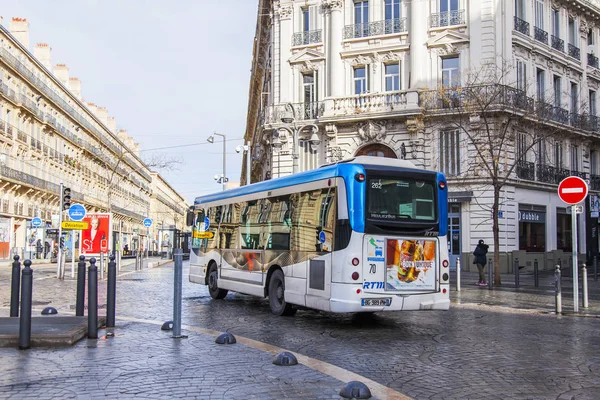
(66, 198)
(62, 242)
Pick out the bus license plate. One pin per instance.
(377, 302)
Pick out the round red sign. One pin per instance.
(572, 190)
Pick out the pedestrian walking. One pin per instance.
(481, 259)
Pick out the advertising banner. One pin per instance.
(98, 237)
(4, 237)
(410, 264)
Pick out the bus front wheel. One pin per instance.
(276, 295)
(213, 289)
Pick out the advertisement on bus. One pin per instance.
(410, 264)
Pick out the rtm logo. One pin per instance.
(373, 285)
(432, 233)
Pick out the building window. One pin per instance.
(539, 14)
(592, 95)
(557, 91)
(572, 32)
(450, 152)
(574, 157)
(541, 152)
(521, 146)
(540, 82)
(532, 228)
(392, 9)
(594, 162)
(361, 18)
(590, 40)
(450, 71)
(305, 19)
(521, 75)
(360, 80)
(392, 77)
(574, 98)
(308, 86)
(520, 9)
(556, 22)
(558, 155)
(448, 5)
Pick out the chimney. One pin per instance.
(61, 72)
(19, 27)
(92, 107)
(75, 87)
(112, 124)
(42, 51)
(102, 115)
(122, 134)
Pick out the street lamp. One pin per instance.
(211, 139)
(295, 130)
(246, 149)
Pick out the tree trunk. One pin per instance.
(496, 230)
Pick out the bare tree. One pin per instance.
(498, 125)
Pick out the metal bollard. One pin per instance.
(80, 303)
(516, 268)
(490, 273)
(536, 276)
(93, 300)
(26, 293)
(584, 292)
(111, 292)
(595, 268)
(458, 274)
(557, 290)
(178, 270)
(15, 286)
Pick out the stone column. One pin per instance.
(335, 66)
(419, 55)
(285, 70)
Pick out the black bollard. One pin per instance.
(25, 321)
(80, 304)
(557, 290)
(536, 275)
(111, 292)
(15, 287)
(516, 268)
(595, 268)
(490, 274)
(93, 300)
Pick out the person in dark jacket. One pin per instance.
(480, 259)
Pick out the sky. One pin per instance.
(170, 72)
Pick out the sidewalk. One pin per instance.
(527, 297)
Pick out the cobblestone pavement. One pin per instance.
(492, 344)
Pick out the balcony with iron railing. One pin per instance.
(307, 37)
(574, 52)
(592, 60)
(447, 18)
(540, 35)
(557, 43)
(521, 26)
(299, 111)
(550, 112)
(453, 98)
(525, 170)
(386, 27)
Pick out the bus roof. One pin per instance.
(342, 168)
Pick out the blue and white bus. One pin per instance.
(362, 235)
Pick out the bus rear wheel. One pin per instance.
(277, 295)
(213, 289)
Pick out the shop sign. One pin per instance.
(532, 216)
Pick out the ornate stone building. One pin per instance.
(333, 79)
(49, 135)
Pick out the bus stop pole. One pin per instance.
(458, 274)
(574, 257)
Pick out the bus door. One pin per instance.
(318, 290)
(241, 249)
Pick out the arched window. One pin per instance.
(376, 150)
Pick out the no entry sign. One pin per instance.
(572, 190)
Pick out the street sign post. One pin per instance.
(37, 221)
(573, 190)
(148, 222)
(75, 225)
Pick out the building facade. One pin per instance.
(49, 135)
(333, 79)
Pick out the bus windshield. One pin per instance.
(397, 199)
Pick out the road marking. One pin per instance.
(377, 390)
(572, 190)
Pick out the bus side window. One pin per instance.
(276, 228)
(327, 218)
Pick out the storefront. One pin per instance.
(532, 228)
